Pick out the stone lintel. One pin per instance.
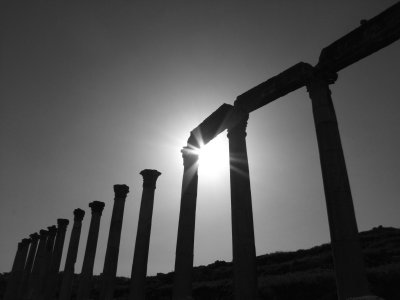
(97, 206)
(62, 223)
(150, 178)
(121, 190)
(79, 214)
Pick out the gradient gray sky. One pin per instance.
(94, 92)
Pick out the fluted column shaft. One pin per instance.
(51, 283)
(140, 258)
(182, 288)
(90, 252)
(15, 278)
(243, 245)
(69, 270)
(37, 265)
(114, 237)
(349, 266)
(29, 264)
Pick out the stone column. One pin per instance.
(37, 265)
(29, 264)
(349, 266)
(15, 278)
(69, 269)
(114, 237)
(51, 283)
(182, 288)
(140, 258)
(90, 253)
(44, 271)
(243, 245)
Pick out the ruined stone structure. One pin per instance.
(114, 237)
(28, 265)
(50, 286)
(66, 286)
(90, 253)
(351, 281)
(34, 281)
(16, 276)
(140, 258)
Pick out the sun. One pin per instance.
(214, 158)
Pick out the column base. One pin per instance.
(369, 297)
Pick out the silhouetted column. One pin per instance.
(349, 266)
(114, 237)
(51, 283)
(90, 253)
(29, 264)
(15, 278)
(37, 265)
(69, 269)
(182, 288)
(243, 245)
(46, 261)
(140, 258)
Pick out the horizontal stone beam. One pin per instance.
(288, 81)
(371, 36)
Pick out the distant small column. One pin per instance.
(350, 273)
(90, 253)
(140, 258)
(114, 237)
(69, 269)
(243, 245)
(182, 288)
(15, 278)
(37, 265)
(29, 264)
(51, 283)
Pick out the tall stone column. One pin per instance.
(44, 271)
(69, 269)
(114, 237)
(15, 278)
(90, 253)
(37, 265)
(51, 283)
(29, 264)
(243, 245)
(182, 288)
(140, 258)
(349, 266)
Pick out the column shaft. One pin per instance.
(51, 283)
(15, 278)
(29, 264)
(37, 265)
(349, 266)
(140, 258)
(69, 269)
(114, 237)
(182, 288)
(243, 245)
(90, 253)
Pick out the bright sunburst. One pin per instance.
(214, 158)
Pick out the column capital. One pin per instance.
(121, 190)
(34, 236)
(239, 129)
(190, 156)
(149, 178)
(97, 207)
(62, 223)
(43, 233)
(79, 214)
(25, 242)
(322, 76)
(52, 229)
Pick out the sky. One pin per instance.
(93, 92)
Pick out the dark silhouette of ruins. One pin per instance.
(37, 261)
